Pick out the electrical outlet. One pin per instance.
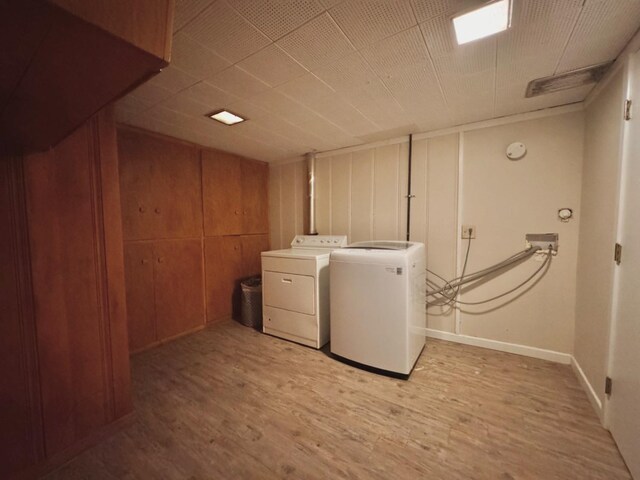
(468, 231)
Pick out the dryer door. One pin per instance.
(289, 291)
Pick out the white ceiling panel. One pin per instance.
(276, 18)
(323, 74)
(236, 81)
(272, 65)
(222, 29)
(151, 93)
(187, 10)
(195, 59)
(617, 21)
(366, 21)
(316, 43)
(399, 52)
(428, 9)
(207, 94)
(173, 79)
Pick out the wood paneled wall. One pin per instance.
(66, 383)
(195, 222)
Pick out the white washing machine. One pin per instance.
(295, 289)
(377, 304)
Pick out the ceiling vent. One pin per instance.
(564, 81)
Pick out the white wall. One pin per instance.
(600, 193)
(465, 178)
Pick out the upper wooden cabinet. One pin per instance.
(64, 60)
(234, 191)
(147, 24)
(160, 187)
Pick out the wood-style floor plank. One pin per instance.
(230, 403)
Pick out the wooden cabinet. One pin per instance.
(77, 276)
(228, 260)
(165, 290)
(234, 194)
(160, 185)
(222, 193)
(63, 63)
(141, 305)
(255, 181)
(252, 247)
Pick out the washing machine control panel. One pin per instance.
(319, 241)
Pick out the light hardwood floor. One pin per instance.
(230, 403)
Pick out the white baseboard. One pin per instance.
(534, 352)
(588, 388)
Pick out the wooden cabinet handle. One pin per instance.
(160, 259)
(237, 212)
(157, 210)
(141, 209)
(244, 212)
(236, 247)
(144, 261)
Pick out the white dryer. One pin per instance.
(377, 304)
(295, 289)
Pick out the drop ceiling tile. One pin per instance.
(183, 103)
(331, 3)
(401, 51)
(222, 29)
(195, 59)
(279, 104)
(173, 79)
(366, 21)
(307, 89)
(349, 73)
(428, 9)
(272, 65)
(248, 109)
(134, 104)
(318, 42)
(187, 10)
(151, 94)
(616, 21)
(276, 18)
(238, 82)
(207, 94)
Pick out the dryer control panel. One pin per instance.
(319, 241)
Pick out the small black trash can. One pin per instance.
(251, 302)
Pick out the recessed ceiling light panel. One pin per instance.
(482, 22)
(226, 117)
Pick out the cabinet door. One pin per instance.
(179, 286)
(222, 193)
(255, 180)
(252, 247)
(160, 187)
(223, 260)
(141, 313)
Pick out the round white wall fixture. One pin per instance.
(564, 214)
(516, 151)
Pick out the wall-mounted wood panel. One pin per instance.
(76, 259)
(147, 24)
(20, 415)
(221, 193)
(160, 184)
(179, 288)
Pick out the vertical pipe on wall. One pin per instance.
(409, 195)
(311, 164)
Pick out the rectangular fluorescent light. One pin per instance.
(226, 117)
(482, 22)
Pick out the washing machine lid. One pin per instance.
(382, 245)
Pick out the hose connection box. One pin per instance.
(543, 240)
